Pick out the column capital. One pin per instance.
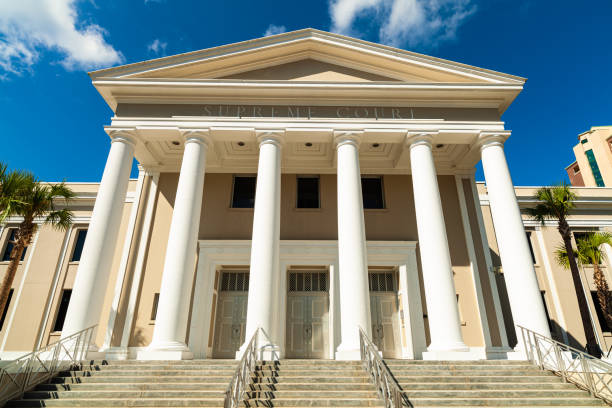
(420, 138)
(127, 136)
(270, 136)
(201, 136)
(486, 139)
(342, 137)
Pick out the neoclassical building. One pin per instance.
(308, 184)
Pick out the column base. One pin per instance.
(165, 351)
(456, 351)
(116, 353)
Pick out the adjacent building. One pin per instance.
(311, 185)
(593, 165)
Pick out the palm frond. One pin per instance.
(562, 258)
(60, 219)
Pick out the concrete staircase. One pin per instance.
(305, 383)
(311, 383)
(191, 383)
(491, 383)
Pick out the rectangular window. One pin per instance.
(533, 258)
(583, 141)
(243, 195)
(78, 246)
(61, 312)
(6, 307)
(308, 192)
(594, 168)
(6, 255)
(600, 316)
(154, 309)
(372, 190)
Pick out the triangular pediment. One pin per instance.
(307, 55)
(309, 70)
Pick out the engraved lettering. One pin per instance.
(257, 111)
(396, 113)
(342, 112)
(207, 110)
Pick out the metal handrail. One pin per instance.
(29, 370)
(587, 372)
(238, 384)
(379, 373)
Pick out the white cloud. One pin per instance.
(403, 22)
(27, 27)
(158, 47)
(274, 29)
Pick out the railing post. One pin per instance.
(560, 362)
(587, 375)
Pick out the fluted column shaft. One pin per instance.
(94, 267)
(442, 309)
(179, 266)
(352, 252)
(265, 245)
(519, 273)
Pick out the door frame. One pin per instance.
(212, 254)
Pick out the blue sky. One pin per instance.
(52, 117)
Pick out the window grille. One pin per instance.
(307, 281)
(235, 281)
(381, 282)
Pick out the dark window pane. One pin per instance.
(308, 192)
(61, 312)
(372, 190)
(600, 316)
(533, 259)
(244, 192)
(6, 256)
(550, 325)
(8, 302)
(155, 303)
(78, 246)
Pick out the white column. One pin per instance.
(519, 273)
(352, 253)
(179, 266)
(442, 309)
(265, 246)
(94, 267)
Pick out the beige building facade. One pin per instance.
(311, 185)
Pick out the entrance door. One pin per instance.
(230, 322)
(383, 308)
(307, 315)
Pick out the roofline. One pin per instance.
(305, 33)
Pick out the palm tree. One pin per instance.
(556, 203)
(590, 253)
(22, 195)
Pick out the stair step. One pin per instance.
(123, 402)
(140, 379)
(505, 402)
(313, 402)
(444, 378)
(150, 373)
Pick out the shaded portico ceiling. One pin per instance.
(307, 67)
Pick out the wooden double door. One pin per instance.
(307, 321)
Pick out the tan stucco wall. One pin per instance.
(396, 222)
(27, 322)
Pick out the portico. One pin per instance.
(418, 123)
